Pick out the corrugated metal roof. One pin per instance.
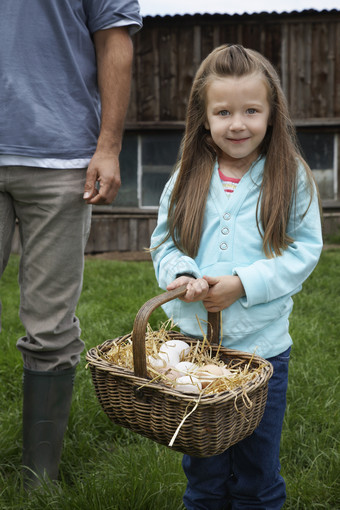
(304, 12)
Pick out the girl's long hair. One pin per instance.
(198, 154)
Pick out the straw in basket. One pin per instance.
(154, 410)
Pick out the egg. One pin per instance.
(208, 373)
(182, 348)
(212, 369)
(206, 380)
(158, 362)
(227, 372)
(171, 374)
(188, 384)
(170, 355)
(186, 367)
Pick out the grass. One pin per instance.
(105, 467)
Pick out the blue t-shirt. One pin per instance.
(49, 99)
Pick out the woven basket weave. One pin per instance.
(156, 410)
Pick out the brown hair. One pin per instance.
(198, 154)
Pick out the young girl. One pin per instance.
(239, 224)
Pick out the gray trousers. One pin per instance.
(54, 223)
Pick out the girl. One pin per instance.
(239, 224)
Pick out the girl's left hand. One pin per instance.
(223, 292)
(197, 289)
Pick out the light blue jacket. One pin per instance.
(231, 244)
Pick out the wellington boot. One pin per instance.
(46, 408)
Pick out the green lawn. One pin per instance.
(106, 467)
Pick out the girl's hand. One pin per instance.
(197, 289)
(223, 292)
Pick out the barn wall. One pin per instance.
(304, 48)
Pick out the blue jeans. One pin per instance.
(247, 475)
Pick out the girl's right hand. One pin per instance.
(197, 289)
(224, 291)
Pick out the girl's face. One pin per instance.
(237, 112)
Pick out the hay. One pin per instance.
(240, 374)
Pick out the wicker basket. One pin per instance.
(156, 410)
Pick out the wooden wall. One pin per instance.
(121, 231)
(114, 231)
(304, 48)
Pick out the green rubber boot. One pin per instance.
(46, 409)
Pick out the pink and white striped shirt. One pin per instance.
(229, 183)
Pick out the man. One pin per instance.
(66, 72)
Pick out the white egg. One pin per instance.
(158, 361)
(186, 367)
(188, 384)
(182, 348)
(227, 372)
(170, 375)
(171, 356)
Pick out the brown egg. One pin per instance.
(211, 369)
(208, 373)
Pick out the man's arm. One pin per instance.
(114, 52)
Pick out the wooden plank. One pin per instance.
(144, 234)
(284, 60)
(337, 162)
(216, 36)
(273, 44)
(292, 71)
(319, 70)
(308, 71)
(167, 73)
(186, 69)
(147, 90)
(152, 222)
(318, 122)
(207, 40)
(102, 236)
(156, 77)
(132, 110)
(300, 76)
(123, 238)
(336, 46)
(133, 234)
(331, 84)
(301, 71)
(229, 34)
(251, 36)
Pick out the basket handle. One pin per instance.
(141, 321)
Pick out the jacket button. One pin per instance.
(227, 216)
(223, 246)
(225, 231)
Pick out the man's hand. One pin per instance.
(223, 292)
(104, 169)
